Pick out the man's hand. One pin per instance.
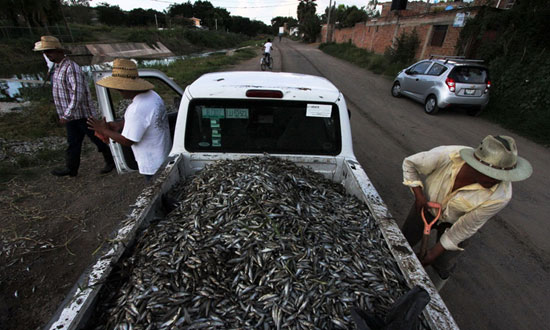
(432, 254)
(98, 125)
(63, 121)
(420, 201)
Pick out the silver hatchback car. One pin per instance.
(442, 82)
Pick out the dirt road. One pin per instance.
(502, 279)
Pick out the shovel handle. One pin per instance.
(423, 247)
(428, 226)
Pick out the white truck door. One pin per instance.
(112, 106)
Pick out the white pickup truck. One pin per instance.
(232, 115)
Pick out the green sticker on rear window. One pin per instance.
(213, 113)
(236, 113)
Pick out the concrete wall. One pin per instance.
(378, 34)
(127, 49)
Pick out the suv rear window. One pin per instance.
(470, 75)
(258, 126)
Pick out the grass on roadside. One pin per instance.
(36, 121)
(368, 60)
(186, 71)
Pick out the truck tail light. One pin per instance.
(451, 84)
(264, 93)
(488, 86)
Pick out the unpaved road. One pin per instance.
(502, 281)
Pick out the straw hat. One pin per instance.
(125, 77)
(497, 157)
(47, 43)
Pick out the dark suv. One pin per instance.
(441, 82)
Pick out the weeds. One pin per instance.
(376, 63)
(185, 72)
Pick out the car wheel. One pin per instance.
(430, 107)
(396, 90)
(474, 112)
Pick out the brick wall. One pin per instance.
(377, 35)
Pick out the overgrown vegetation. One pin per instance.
(347, 16)
(185, 72)
(515, 44)
(395, 59)
(308, 21)
(404, 49)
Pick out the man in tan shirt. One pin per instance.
(470, 185)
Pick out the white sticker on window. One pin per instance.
(319, 110)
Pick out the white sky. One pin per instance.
(261, 10)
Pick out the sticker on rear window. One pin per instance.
(319, 110)
(213, 113)
(236, 113)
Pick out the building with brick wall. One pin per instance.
(438, 27)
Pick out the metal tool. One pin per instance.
(428, 228)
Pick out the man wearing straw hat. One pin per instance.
(145, 126)
(471, 185)
(73, 102)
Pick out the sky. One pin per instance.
(261, 10)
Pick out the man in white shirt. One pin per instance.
(145, 126)
(470, 185)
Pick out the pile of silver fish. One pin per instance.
(257, 243)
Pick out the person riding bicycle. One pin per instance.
(268, 46)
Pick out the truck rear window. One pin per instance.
(258, 126)
(470, 75)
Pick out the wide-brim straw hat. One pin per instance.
(497, 157)
(125, 77)
(47, 43)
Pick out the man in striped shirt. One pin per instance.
(73, 102)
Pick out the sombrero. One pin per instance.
(47, 43)
(497, 157)
(125, 77)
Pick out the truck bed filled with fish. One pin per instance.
(257, 242)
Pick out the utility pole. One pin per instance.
(216, 21)
(328, 19)
(156, 22)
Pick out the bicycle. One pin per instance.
(266, 62)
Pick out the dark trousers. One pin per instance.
(413, 230)
(76, 129)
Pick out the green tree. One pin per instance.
(281, 21)
(404, 48)
(308, 21)
(33, 12)
(142, 17)
(182, 9)
(85, 3)
(305, 9)
(111, 15)
(346, 16)
(78, 13)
